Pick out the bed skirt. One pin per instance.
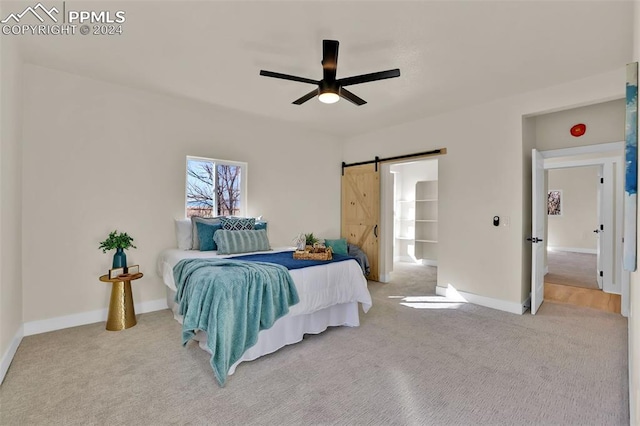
(287, 330)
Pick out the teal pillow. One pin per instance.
(195, 241)
(338, 246)
(261, 225)
(206, 232)
(243, 241)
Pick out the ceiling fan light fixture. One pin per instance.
(330, 89)
(328, 97)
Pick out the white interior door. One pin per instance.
(606, 240)
(599, 228)
(538, 210)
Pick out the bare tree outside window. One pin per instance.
(206, 199)
(228, 190)
(200, 188)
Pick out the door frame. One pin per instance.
(622, 286)
(385, 259)
(387, 205)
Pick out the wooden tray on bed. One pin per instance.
(313, 254)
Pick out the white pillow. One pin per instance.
(183, 234)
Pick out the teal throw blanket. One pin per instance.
(232, 301)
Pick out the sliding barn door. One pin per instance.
(361, 211)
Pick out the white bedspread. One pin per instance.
(318, 286)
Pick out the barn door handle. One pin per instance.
(375, 231)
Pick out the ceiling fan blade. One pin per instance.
(351, 97)
(329, 59)
(306, 97)
(365, 78)
(287, 77)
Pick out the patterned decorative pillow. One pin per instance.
(243, 241)
(195, 240)
(238, 223)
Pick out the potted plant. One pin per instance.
(120, 242)
(310, 239)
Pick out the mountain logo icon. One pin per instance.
(38, 11)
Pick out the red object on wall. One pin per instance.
(578, 130)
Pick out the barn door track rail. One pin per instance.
(379, 160)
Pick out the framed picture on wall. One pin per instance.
(629, 257)
(554, 202)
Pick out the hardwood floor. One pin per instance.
(596, 299)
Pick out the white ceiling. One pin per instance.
(450, 53)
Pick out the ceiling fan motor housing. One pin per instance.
(331, 87)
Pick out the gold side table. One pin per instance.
(122, 315)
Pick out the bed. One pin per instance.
(329, 295)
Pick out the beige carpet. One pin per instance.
(415, 360)
(569, 268)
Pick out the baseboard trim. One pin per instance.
(488, 302)
(573, 249)
(526, 305)
(409, 259)
(10, 353)
(385, 278)
(100, 315)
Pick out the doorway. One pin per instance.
(574, 219)
(580, 237)
(577, 215)
(414, 230)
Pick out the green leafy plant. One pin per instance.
(311, 240)
(116, 241)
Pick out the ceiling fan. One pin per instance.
(330, 89)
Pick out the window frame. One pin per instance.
(244, 171)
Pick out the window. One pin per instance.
(215, 187)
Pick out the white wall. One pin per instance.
(574, 228)
(10, 203)
(483, 175)
(605, 123)
(408, 174)
(99, 156)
